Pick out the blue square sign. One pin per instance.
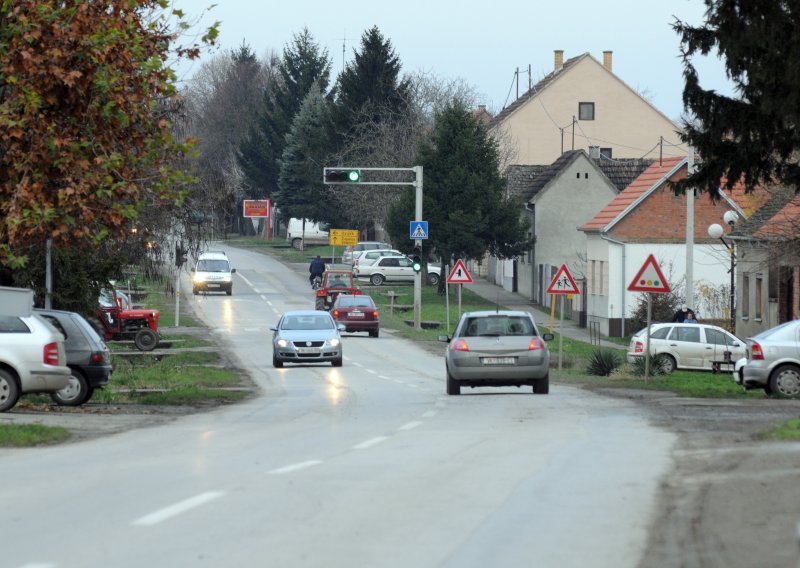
(418, 230)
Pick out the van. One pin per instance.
(212, 273)
(315, 233)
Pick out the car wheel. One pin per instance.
(89, 394)
(320, 304)
(376, 279)
(146, 339)
(374, 333)
(433, 279)
(668, 363)
(277, 363)
(75, 393)
(229, 292)
(785, 381)
(542, 386)
(337, 362)
(9, 391)
(452, 385)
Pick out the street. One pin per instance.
(370, 464)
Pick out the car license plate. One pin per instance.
(213, 285)
(356, 314)
(499, 360)
(307, 350)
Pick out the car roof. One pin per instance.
(489, 313)
(213, 254)
(305, 313)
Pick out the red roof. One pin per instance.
(784, 223)
(650, 177)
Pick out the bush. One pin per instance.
(656, 366)
(603, 362)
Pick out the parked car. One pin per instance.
(394, 269)
(357, 313)
(311, 233)
(347, 255)
(213, 273)
(496, 349)
(88, 357)
(695, 346)
(772, 361)
(306, 336)
(369, 257)
(32, 358)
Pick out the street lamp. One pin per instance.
(716, 231)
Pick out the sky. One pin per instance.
(482, 43)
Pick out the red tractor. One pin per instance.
(120, 321)
(334, 282)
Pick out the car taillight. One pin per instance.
(460, 345)
(638, 347)
(535, 344)
(97, 357)
(335, 314)
(375, 314)
(757, 352)
(50, 354)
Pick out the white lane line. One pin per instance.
(263, 297)
(357, 364)
(295, 467)
(369, 443)
(372, 372)
(429, 414)
(177, 508)
(256, 290)
(410, 425)
(245, 279)
(269, 303)
(384, 377)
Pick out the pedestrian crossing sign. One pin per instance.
(418, 230)
(563, 283)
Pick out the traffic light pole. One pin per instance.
(418, 242)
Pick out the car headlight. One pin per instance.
(334, 342)
(227, 279)
(198, 278)
(282, 343)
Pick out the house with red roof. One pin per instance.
(767, 249)
(647, 217)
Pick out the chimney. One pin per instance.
(607, 59)
(559, 59)
(594, 152)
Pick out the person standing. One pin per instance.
(316, 268)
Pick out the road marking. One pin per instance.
(357, 364)
(429, 414)
(177, 508)
(372, 372)
(384, 377)
(245, 279)
(257, 291)
(369, 443)
(295, 467)
(410, 425)
(269, 303)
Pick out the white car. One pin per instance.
(32, 358)
(696, 346)
(370, 257)
(394, 269)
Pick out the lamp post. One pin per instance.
(716, 231)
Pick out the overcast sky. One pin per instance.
(481, 42)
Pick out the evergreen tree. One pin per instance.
(369, 89)
(753, 136)
(463, 198)
(303, 65)
(301, 193)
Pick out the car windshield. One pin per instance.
(307, 322)
(339, 281)
(208, 265)
(498, 325)
(355, 301)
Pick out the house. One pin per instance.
(557, 199)
(648, 218)
(581, 104)
(767, 250)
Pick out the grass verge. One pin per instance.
(26, 435)
(789, 430)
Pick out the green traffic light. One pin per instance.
(353, 175)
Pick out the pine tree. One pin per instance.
(369, 89)
(303, 65)
(754, 135)
(463, 199)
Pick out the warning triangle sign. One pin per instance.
(563, 283)
(459, 274)
(650, 278)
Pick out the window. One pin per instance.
(530, 248)
(660, 333)
(592, 279)
(690, 334)
(586, 111)
(745, 307)
(759, 287)
(603, 278)
(606, 153)
(716, 337)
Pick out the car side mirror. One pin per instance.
(273, 329)
(444, 338)
(734, 344)
(233, 270)
(548, 337)
(341, 327)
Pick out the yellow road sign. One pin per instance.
(342, 237)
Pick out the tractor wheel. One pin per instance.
(146, 339)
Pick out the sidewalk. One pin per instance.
(515, 301)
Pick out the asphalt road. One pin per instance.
(370, 464)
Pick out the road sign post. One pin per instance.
(562, 284)
(649, 280)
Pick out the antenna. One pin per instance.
(344, 44)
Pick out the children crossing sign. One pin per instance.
(650, 278)
(563, 283)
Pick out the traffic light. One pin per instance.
(416, 258)
(180, 255)
(342, 176)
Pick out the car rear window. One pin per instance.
(498, 325)
(353, 301)
(10, 324)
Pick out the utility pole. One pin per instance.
(690, 235)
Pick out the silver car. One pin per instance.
(497, 349)
(394, 269)
(772, 361)
(307, 336)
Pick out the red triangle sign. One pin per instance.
(563, 283)
(650, 278)
(459, 274)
